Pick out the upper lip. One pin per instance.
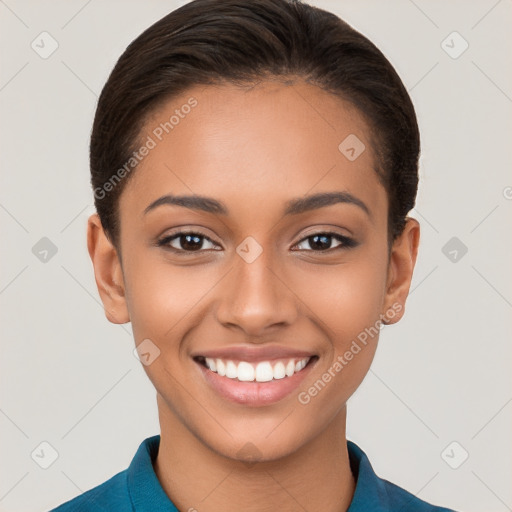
(245, 353)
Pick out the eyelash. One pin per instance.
(346, 242)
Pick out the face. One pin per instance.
(253, 244)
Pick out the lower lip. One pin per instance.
(254, 394)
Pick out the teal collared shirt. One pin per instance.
(137, 489)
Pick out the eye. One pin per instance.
(322, 242)
(187, 241)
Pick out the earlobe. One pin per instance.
(107, 272)
(401, 266)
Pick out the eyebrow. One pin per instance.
(293, 207)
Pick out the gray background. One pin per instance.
(69, 378)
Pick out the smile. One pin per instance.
(254, 378)
(263, 371)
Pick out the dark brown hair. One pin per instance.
(241, 42)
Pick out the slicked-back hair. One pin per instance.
(243, 42)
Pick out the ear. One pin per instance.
(107, 272)
(401, 265)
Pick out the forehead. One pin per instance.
(263, 143)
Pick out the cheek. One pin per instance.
(165, 303)
(160, 297)
(345, 298)
(347, 301)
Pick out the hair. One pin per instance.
(242, 42)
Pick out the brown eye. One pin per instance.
(322, 242)
(187, 242)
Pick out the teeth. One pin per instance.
(279, 371)
(261, 372)
(231, 370)
(221, 367)
(290, 368)
(264, 372)
(245, 371)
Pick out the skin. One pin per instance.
(254, 149)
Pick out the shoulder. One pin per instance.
(378, 494)
(398, 498)
(136, 484)
(110, 495)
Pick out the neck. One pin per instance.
(316, 477)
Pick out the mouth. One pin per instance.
(263, 371)
(252, 382)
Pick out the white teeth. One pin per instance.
(263, 371)
(245, 371)
(221, 367)
(231, 370)
(279, 371)
(290, 368)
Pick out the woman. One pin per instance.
(253, 164)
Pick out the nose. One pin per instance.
(256, 299)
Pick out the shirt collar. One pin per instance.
(145, 490)
(370, 492)
(147, 494)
